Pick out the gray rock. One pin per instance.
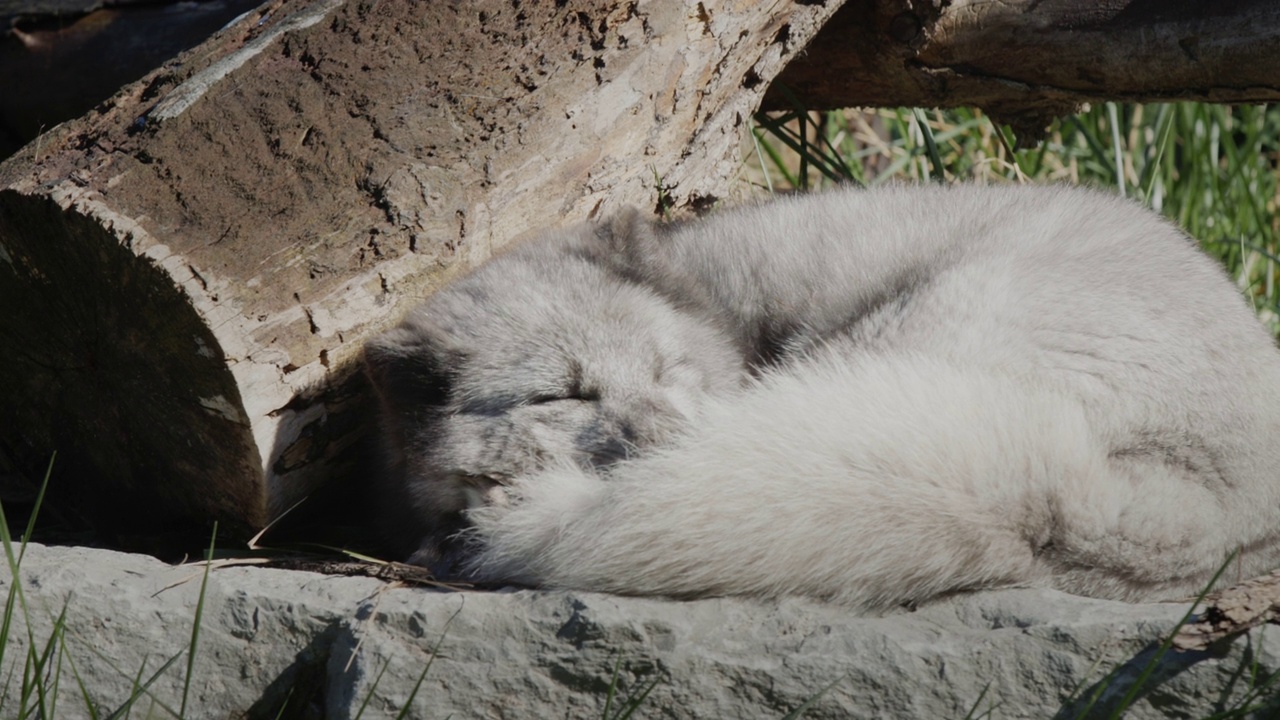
(327, 644)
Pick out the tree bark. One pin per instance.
(1027, 62)
(199, 261)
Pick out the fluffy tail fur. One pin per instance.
(879, 481)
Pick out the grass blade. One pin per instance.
(613, 687)
(804, 707)
(140, 691)
(634, 702)
(404, 711)
(930, 146)
(195, 625)
(1117, 150)
(89, 705)
(373, 687)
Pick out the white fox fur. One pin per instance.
(869, 396)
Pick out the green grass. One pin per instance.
(38, 668)
(1211, 169)
(1116, 694)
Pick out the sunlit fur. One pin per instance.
(869, 396)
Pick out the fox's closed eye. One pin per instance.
(543, 399)
(578, 395)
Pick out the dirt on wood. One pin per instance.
(302, 179)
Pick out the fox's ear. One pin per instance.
(631, 244)
(639, 250)
(410, 366)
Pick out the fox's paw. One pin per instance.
(517, 533)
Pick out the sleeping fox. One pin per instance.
(873, 397)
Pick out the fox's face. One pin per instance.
(533, 361)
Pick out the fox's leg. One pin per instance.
(876, 481)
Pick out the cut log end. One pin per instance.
(111, 367)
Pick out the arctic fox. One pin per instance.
(873, 397)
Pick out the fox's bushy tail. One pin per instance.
(886, 479)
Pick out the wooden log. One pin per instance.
(197, 262)
(1029, 61)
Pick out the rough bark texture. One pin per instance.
(1228, 613)
(198, 261)
(1029, 61)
